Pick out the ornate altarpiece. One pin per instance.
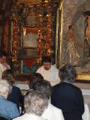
(28, 34)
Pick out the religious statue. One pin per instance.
(73, 54)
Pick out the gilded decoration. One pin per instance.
(31, 32)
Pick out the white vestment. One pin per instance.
(50, 75)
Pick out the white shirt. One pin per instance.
(86, 114)
(50, 75)
(52, 113)
(3, 68)
(29, 116)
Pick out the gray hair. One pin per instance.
(43, 86)
(35, 102)
(4, 87)
(67, 73)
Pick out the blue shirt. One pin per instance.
(8, 109)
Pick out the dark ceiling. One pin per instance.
(7, 5)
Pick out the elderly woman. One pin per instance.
(7, 109)
(35, 104)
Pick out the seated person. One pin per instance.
(35, 104)
(36, 77)
(51, 112)
(49, 71)
(8, 109)
(67, 96)
(15, 94)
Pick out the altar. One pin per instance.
(29, 34)
(83, 77)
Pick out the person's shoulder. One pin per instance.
(53, 67)
(77, 88)
(73, 87)
(55, 112)
(40, 69)
(16, 88)
(12, 104)
(54, 108)
(57, 85)
(23, 117)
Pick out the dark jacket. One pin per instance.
(17, 97)
(68, 98)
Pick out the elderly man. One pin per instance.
(8, 109)
(35, 104)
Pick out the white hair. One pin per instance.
(4, 87)
(35, 102)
